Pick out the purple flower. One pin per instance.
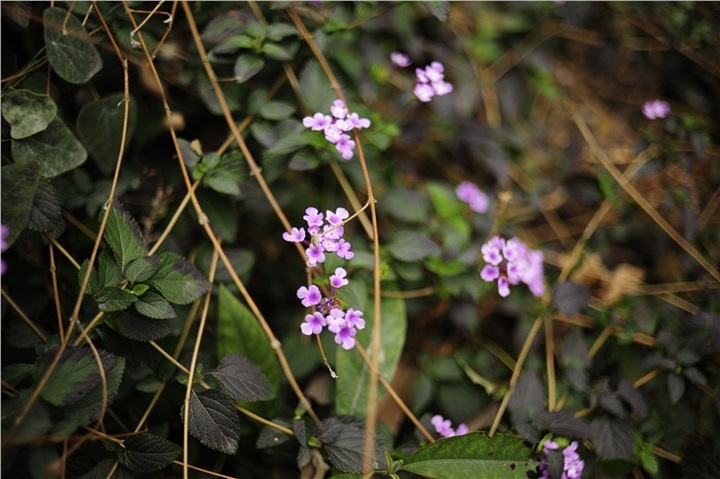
(430, 82)
(345, 146)
(354, 318)
(444, 427)
(4, 233)
(315, 254)
(343, 250)
(512, 262)
(313, 216)
(469, 193)
(336, 320)
(400, 59)
(310, 296)
(295, 235)
(338, 109)
(424, 92)
(346, 337)
(336, 218)
(337, 127)
(338, 279)
(317, 122)
(572, 464)
(313, 324)
(356, 122)
(654, 109)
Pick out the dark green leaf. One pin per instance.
(444, 200)
(154, 306)
(344, 439)
(574, 358)
(569, 297)
(277, 110)
(108, 270)
(141, 269)
(240, 379)
(527, 399)
(27, 112)
(278, 31)
(14, 373)
(676, 387)
(406, 205)
(214, 421)
(69, 49)
(75, 376)
(233, 44)
(315, 89)
(146, 453)
(114, 299)
(89, 408)
(701, 465)
(271, 437)
(240, 333)
(412, 246)
(352, 387)
(227, 175)
(563, 423)
(633, 397)
(107, 467)
(178, 280)
(100, 126)
(247, 66)
(19, 185)
(46, 214)
(612, 404)
(472, 455)
(613, 439)
(439, 9)
(142, 329)
(122, 234)
(281, 53)
(55, 149)
(694, 376)
(93, 285)
(37, 423)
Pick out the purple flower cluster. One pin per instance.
(475, 198)
(337, 126)
(511, 262)
(323, 237)
(429, 81)
(572, 464)
(654, 109)
(4, 233)
(444, 427)
(327, 311)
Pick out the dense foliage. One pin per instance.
(336, 239)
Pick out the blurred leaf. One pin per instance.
(701, 465)
(69, 48)
(444, 200)
(27, 112)
(439, 9)
(55, 149)
(563, 423)
(226, 176)
(178, 280)
(613, 439)
(694, 376)
(633, 397)
(283, 53)
(240, 333)
(154, 306)
(472, 455)
(214, 421)
(100, 126)
(676, 387)
(46, 214)
(278, 31)
(406, 205)
(527, 399)
(411, 246)
(315, 89)
(114, 299)
(574, 358)
(611, 403)
(19, 186)
(122, 234)
(240, 379)
(570, 297)
(247, 66)
(145, 453)
(276, 110)
(344, 440)
(351, 388)
(141, 269)
(142, 329)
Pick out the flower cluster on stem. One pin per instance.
(327, 312)
(429, 81)
(337, 127)
(473, 196)
(444, 427)
(654, 109)
(510, 262)
(572, 464)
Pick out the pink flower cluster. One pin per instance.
(336, 127)
(327, 312)
(511, 262)
(323, 237)
(444, 427)
(572, 464)
(429, 81)
(654, 109)
(475, 198)
(4, 233)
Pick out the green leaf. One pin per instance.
(88, 409)
(27, 112)
(247, 66)
(406, 205)
(141, 269)
(142, 329)
(178, 280)
(412, 246)
(19, 185)
(55, 149)
(122, 234)
(46, 214)
(472, 455)
(108, 270)
(214, 421)
(75, 376)
(278, 31)
(146, 453)
(315, 89)
(277, 110)
(444, 200)
(344, 440)
(240, 379)
(271, 437)
(69, 49)
(154, 306)
(613, 439)
(281, 53)
(352, 387)
(100, 126)
(114, 299)
(240, 333)
(226, 176)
